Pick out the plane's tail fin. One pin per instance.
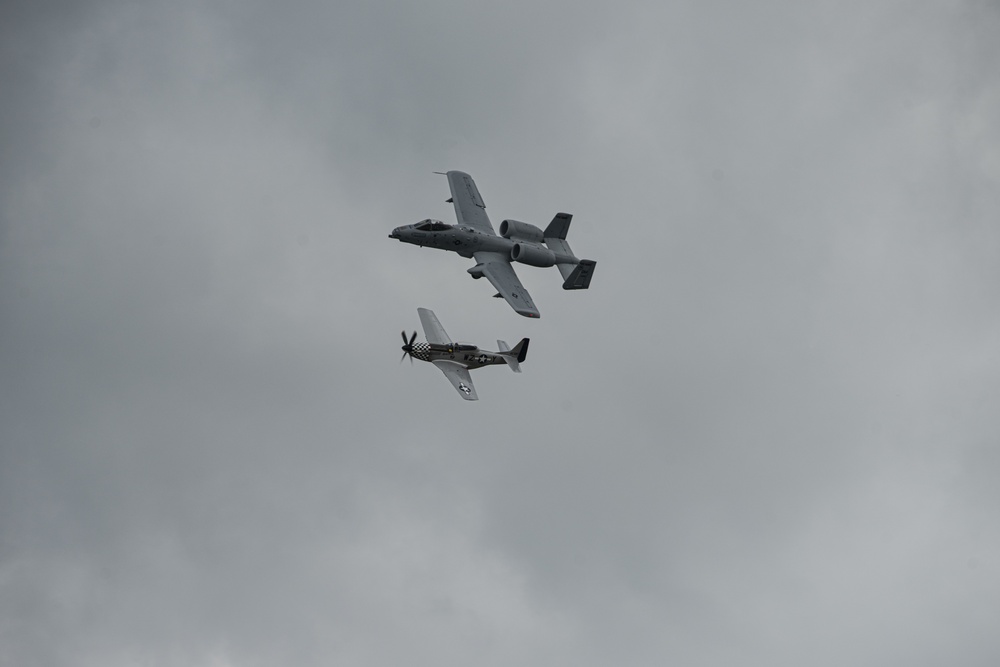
(576, 275)
(559, 227)
(516, 356)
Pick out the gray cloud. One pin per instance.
(765, 434)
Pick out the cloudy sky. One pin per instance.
(767, 435)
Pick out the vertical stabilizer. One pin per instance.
(559, 227)
(555, 239)
(579, 274)
(576, 275)
(516, 356)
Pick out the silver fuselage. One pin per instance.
(456, 238)
(467, 355)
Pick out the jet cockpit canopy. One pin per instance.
(432, 226)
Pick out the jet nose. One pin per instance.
(394, 234)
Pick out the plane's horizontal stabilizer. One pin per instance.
(579, 275)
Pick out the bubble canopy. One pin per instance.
(432, 226)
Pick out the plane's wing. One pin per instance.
(470, 209)
(498, 270)
(459, 376)
(433, 331)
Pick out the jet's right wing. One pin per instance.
(498, 270)
(470, 209)
(433, 331)
(459, 376)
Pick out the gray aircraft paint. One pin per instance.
(455, 359)
(518, 242)
(768, 436)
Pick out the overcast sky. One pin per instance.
(766, 435)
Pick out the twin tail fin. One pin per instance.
(575, 276)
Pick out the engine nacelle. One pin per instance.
(521, 231)
(535, 255)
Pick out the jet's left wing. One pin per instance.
(470, 209)
(498, 270)
(460, 378)
(433, 331)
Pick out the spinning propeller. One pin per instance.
(407, 346)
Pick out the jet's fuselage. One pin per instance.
(456, 238)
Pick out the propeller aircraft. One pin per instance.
(456, 359)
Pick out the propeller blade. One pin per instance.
(407, 346)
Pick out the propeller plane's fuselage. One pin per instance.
(465, 354)
(456, 359)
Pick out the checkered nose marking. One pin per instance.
(422, 351)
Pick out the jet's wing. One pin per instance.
(459, 376)
(498, 270)
(433, 331)
(470, 209)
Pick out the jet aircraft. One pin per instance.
(518, 242)
(457, 359)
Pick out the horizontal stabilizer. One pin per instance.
(579, 275)
(555, 239)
